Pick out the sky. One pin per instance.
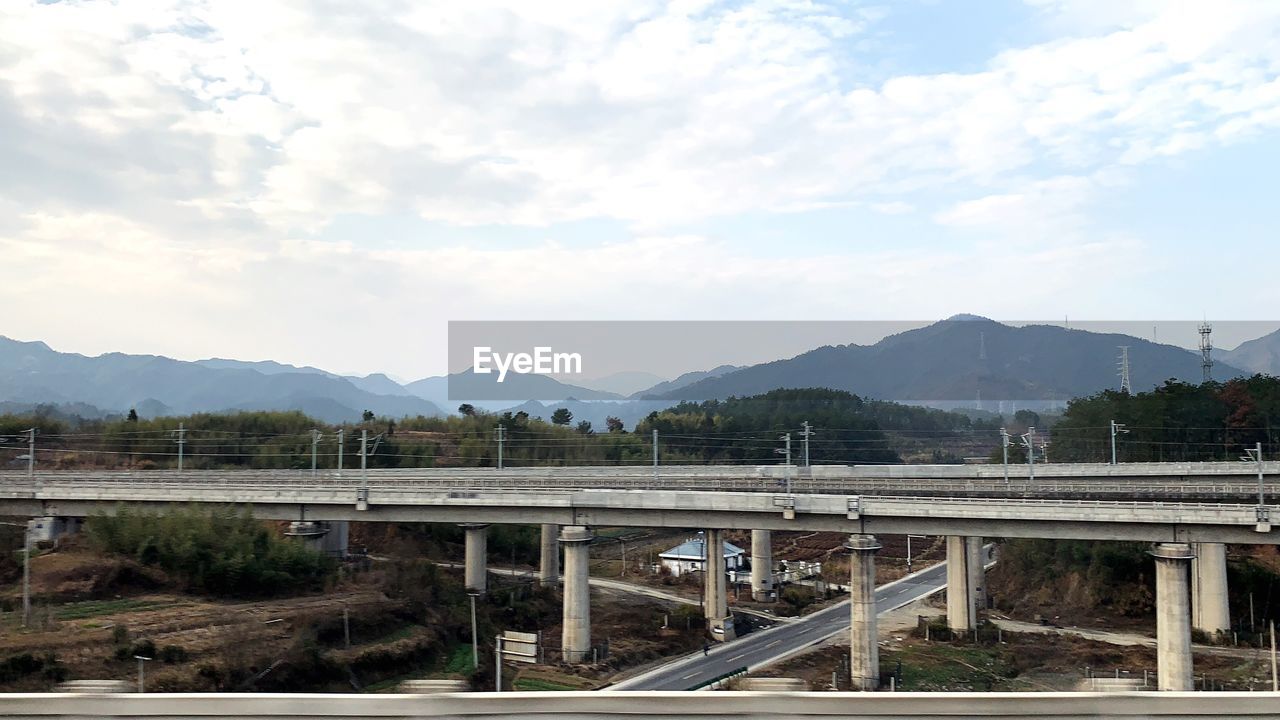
(328, 184)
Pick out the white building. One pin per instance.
(691, 556)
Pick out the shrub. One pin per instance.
(214, 551)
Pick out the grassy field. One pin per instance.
(96, 608)
(460, 661)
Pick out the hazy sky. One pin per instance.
(328, 183)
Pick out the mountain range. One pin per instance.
(964, 358)
(960, 359)
(32, 372)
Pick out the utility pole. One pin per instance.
(364, 457)
(497, 661)
(805, 434)
(141, 673)
(26, 575)
(181, 434)
(502, 431)
(1004, 446)
(26, 570)
(1116, 428)
(31, 453)
(1275, 679)
(1262, 499)
(346, 627)
(787, 452)
(655, 453)
(475, 644)
(1029, 442)
(340, 431)
(315, 442)
(1255, 454)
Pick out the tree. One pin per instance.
(133, 416)
(615, 424)
(1027, 418)
(367, 416)
(584, 427)
(467, 410)
(562, 416)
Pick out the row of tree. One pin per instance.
(738, 429)
(1177, 421)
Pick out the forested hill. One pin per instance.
(849, 429)
(746, 430)
(962, 359)
(1174, 422)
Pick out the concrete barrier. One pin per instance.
(640, 705)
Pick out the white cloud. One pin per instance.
(177, 156)
(1039, 207)
(103, 283)
(651, 113)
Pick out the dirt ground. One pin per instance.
(1022, 662)
(194, 640)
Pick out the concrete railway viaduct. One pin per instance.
(1188, 511)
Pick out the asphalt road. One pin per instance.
(784, 639)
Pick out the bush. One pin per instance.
(145, 648)
(173, 654)
(213, 551)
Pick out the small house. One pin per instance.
(691, 556)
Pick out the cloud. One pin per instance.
(654, 114)
(178, 159)
(102, 283)
(1039, 206)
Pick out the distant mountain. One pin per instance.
(484, 392)
(266, 367)
(34, 373)
(625, 383)
(962, 358)
(689, 378)
(378, 384)
(1260, 355)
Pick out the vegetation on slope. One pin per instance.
(1177, 421)
(212, 551)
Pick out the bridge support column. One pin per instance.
(959, 594)
(476, 565)
(1209, 610)
(762, 565)
(575, 638)
(977, 576)
(1173, 616)
(549, 563)
(864, 647)
(716, 595)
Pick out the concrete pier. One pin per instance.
(476, 565)
(959, 595)
(575, 638)
(977, 576)
(1173, 616)
(1210, 612)
(715, 593)
(549, 563)
(864, 648)
(762, 565)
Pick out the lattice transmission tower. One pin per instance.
(1206, 350)
(1126, 383)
